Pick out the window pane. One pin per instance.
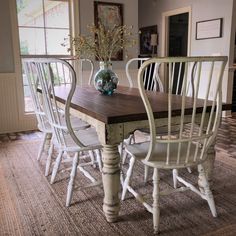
(30, 13)
(56, 14)
(54, 39)
(28, 100)
(32, 41)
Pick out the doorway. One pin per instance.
(178, 35)
(178, 45)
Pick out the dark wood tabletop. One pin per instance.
(124, 105)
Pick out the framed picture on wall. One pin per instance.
(209, 29)
(146, 45)
(109, 14)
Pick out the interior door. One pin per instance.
(178, 42)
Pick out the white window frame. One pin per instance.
(28, 117)
(73, 17)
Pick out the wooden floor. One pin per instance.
(29, 205)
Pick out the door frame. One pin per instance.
(165, 36)
(165, 28)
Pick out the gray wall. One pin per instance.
(6, 47)
(232, 58)
(130, 12)
(201, 10)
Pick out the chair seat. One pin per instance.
(88, 137)
(161, 131)
(158, 159)
(77, 123)
(175, 129)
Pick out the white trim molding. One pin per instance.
(165, 21)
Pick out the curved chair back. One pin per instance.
(178, 79)
(82, 66)
(188, 147)
(151, 76)
(47, 71)
(83, 62)
(34, 83)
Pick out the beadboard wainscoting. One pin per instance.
(12, 117)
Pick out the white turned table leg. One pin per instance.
(209, 164)
(111, 182)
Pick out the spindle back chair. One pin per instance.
(151, 76)
(188, 148)
(67, 138)
(38, 106)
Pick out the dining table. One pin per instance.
(115, 117)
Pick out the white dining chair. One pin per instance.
(89, 63)
(156, 85)
(84, 68)
(188, 148)
(60, 76)
(152, 82)
(43, 124)
(151, 76)
(65, 138)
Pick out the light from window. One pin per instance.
(43, 25)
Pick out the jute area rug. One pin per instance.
(29, 205)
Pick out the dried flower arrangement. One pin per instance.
(104, 43)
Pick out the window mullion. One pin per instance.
(44, 24)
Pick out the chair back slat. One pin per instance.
(170, 87)
(178, 79)
(47, 79)
(57, 72)
(151, 77)
(201, 111)
(195, 97)
(83, 63)
(33, 83)
(184, 87)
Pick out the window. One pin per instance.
(43, 25)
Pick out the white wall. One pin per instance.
(201, 10)
(12, 117)
(6, 49)
(130, 12)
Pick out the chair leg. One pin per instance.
(41, 148)
(156, 196)
(124, 153)
(189, 170)
(91, 154)
(99, 159)
(132, 138)
(124, 156)
(121, 149)
(175, 174)
(128, 177)
(56, 166)
(146, 172)
(207, 191)
(72, 178)
(49, 159)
